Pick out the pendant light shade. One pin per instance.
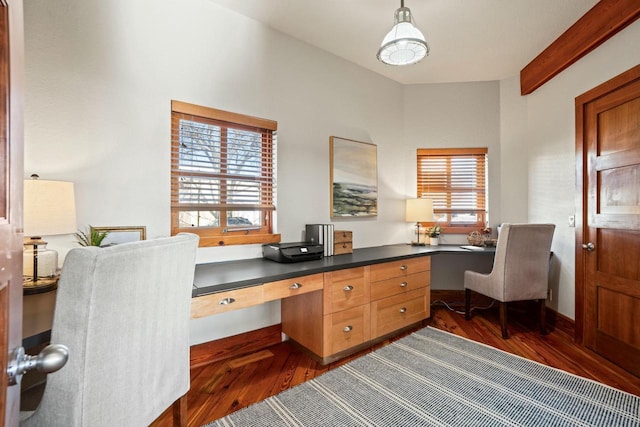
(404, 44)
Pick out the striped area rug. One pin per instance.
(433, 378)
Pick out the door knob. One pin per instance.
(589, 246)
(50, 359)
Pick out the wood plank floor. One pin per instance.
(226, 386)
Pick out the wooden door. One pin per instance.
(608, 244)
(11, 176)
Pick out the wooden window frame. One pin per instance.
(223, 235)
(423, 188)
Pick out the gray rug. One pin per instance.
(433, 378)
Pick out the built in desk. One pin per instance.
(223, 276)
(337, 305)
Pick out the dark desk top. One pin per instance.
(224, 276)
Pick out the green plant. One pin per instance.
(94, 238)
(435, 230)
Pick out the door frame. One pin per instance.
(581, 102)
(12, 42)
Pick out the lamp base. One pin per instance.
(418, 244)
(39, 286)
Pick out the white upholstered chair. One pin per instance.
(123, 312)
(520, 270)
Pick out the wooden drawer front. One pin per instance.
(345, 274)
(400, 268)
(345, 289)
(346, 294)
(294, 286)
(399, 285)
(399, 311)
(340, 236)
(221, 302)
(346, 329)
(343, 248)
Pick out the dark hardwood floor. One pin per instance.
(225, 386)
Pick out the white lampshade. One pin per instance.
(404, 44)
(419, 210)
(49, 208)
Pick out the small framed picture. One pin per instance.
(118, 235)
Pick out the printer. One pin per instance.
(292, 252)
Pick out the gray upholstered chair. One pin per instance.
(520, 270)
(123, 312)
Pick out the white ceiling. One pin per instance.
(470, 40)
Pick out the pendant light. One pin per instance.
(404, 44)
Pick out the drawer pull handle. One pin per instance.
(227, 301)
(347, 288)
(403, 284)
(347, 328)
(403, 310)
(403, 267)
(295, 286)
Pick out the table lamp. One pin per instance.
(49, 209)
(419, 210)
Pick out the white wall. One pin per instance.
(513, 152)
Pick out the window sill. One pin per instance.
(243, 239)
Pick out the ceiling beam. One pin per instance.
(596, 26)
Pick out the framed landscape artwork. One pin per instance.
(354, 178)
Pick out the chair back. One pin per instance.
(124, 312)
(522, 260)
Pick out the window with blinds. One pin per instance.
(456, 180)
(222, 175)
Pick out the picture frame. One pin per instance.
(123, 234)
(354, 178)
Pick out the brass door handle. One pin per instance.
(589, 246)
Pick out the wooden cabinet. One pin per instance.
(358, 306)
(399, 294)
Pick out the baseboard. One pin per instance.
(237, 345)
(455, 298)
(561, 322)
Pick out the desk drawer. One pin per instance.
(400, 268)
(346, 329)
(221, 302)
(399, 285)
(290, 287)
(345, 289)
(396, 312)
